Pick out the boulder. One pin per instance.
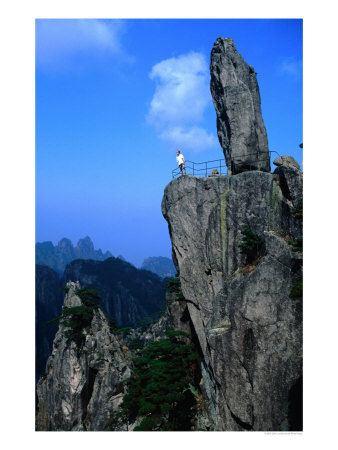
(290, 181)
(286, 161)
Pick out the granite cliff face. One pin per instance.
(248, 327)
(240, 126)
(82, 386)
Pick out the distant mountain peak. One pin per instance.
(57, 257)
(65, 242)
(161, 265)
(86, 244)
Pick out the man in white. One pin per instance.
(180, 162)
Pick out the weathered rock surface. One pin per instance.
(240, 126)
(178, 314)
(286, 161)
(82, 386)
(248, 328)
(290, 180)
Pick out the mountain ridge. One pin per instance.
(161, 265)
(58, 256)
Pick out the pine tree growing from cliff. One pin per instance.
(159, 389)
(251, 244)
(76, 318)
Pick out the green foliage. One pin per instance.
(135, 344)
(297, 245)
(89, 297)
(297, 212)
(297, 290)
(76, 318)
(65, 288)
(174, 285)
(158, 389)
(117, 421)
(114, 327)
(152, 319)
(145, 323)
(251, 244)
(251, 240)
(126, 331)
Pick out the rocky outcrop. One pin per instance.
(240, 126)
(286, 161)
(82, 385)
(248, 328)
(127, 294)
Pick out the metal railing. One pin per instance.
(205, 168)
(202, 169)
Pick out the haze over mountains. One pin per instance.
(162, 266)
(128, 294)
(58, 256)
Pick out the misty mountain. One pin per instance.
(162, 266)
(57, 257)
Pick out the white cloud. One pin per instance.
(191, 138)
(182, 91)
(181, 96)
(57, 40)
(292, 67)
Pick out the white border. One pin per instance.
(17, 227)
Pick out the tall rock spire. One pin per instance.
(240, 127)
(83, 383)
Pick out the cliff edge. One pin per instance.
(246, 320)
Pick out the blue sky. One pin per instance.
(116, 98)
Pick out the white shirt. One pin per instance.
(180, 159)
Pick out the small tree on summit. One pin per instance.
(77, 318)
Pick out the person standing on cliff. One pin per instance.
(180, 162)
